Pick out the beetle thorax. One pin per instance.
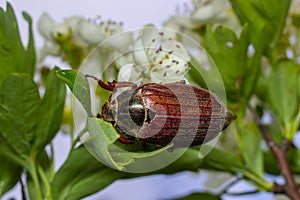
(126, 112)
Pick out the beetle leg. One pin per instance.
(123, 84)
(109, 86)
(125, 141)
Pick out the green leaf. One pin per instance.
(295, 19)
(102, 136)
(298, 86)
(79, 86)
(50, 111)
(239, 70)
(294, 159)
(229, 162)
(18, 111)
(10, 173)
(223, 160)
(270, 164)
(45, 171)
(283, 99)
(82, 175)
(190, 160)
(206, 196)
(252, 152)
(266, 19)
(13, 55)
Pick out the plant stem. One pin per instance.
(33, 173)
(46, 183)
(291, 188)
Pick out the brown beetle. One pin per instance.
(164, 113)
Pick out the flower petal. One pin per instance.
(120, 41)
(89, 32)
(140, 57)
(127, 73)
(45, 26)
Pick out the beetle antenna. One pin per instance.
(105, 86)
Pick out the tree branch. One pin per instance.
(290, 188)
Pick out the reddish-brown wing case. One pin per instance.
(182, 114)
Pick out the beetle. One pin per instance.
(162, 114)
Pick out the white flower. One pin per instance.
(78, 32)
(45, 26)
(120, 41)
(156, 58)
(61, 31)
(95, 34)
(89, 32)
(82, 32)
(53, 50)
(207, 11)
(295, 7)
(213, 12)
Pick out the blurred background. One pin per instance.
(133, 14)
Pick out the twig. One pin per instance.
(291, 188)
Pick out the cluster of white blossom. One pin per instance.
(203, 12)
(154, 56)
(79, 31)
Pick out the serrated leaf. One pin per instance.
(18, 111)
(252, 151)
(79, 86)
(82, 175)
(50, 111)
(13, 55)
